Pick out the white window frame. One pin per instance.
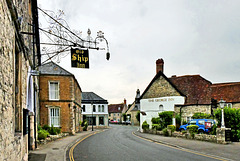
(229, 105)
(57, 117)
(49, 91)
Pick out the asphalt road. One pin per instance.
(120, 144)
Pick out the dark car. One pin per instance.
(204, 125)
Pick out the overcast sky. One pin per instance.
(192, 36)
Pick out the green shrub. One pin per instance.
(155, 120)
(184, 122)
(172, 128)
(165, 132)
(145, 125)
(85, 126)
(166, 118)
(193, 129)
(46, 127)
(54, 130)
(178, 121)
(232, 120)
(213, 131)
(200, 115)
(42, 134)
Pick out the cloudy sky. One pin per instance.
(192, 36)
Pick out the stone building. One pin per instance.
(60, 98)
(134, 109)
(94, 109)
(116, 110)
(18, 85)
(185, 95)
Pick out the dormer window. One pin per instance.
(119, 108)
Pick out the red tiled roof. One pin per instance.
(196, 89)
(229, 92)
(113, 108)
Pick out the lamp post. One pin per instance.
(92, 115)
(222, 103)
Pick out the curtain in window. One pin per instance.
(54, 117)
(54, 94)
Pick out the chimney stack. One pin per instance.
(159, 65)
(125, 101)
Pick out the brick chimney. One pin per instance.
(125, 101)
(159, 65)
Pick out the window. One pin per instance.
(94, 108)
(91, 120)
(114, 114)
(102, 108)
(188, 119)
(201, 122)
(99, 108)
(101, 120)
(83, 108)
(109, 114)
(53, 90)
(118, 114)
(229, 105)
(192, 122)
(55, 117)
(160, 107)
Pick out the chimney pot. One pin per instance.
(159, 65)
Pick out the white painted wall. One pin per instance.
(151, 107)
(88, 109)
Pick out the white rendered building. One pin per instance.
(94, 109)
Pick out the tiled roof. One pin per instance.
(196, 89)
(114, 108)
(229, 92)
(52, 68)
(91, 97)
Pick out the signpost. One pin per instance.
(79, 58)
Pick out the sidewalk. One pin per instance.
(56, 150)
(229, 151)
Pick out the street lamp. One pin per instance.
(92, 115)
(222, 104)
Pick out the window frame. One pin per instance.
(50, 117)
(49, 90)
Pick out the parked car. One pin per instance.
(126, 122)
(204, 125)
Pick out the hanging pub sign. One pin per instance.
(79, 58)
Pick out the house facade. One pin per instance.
(95, 109)
(60, 98)
(18, 106)
(116, 110)
(184, 95)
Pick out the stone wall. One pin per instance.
(160, 88)
(13, 144)
(189, 111)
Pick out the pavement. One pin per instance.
(56, 150)
(226, 152)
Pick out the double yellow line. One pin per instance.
(182, 149)
(72, 148)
